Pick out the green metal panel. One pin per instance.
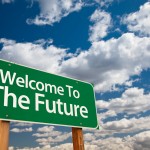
(27, 94)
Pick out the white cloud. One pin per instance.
(132, 101)
(18, 130)
(52, 139)
(89, 137)
(52, 134)
(121, 127)
(113, 144)
(69, 146)
(66, 146)
(49, 134)
(93, 137)
(54, 10)
(110, 62)
(126, 126)
(93, 140)
(11, 148)
(109, 113)
(139, 141)
(47, 131)
(139, 21)
(106, 63)
(33, 54)
(142, 141)
(102, 22)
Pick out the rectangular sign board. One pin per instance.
(31, 95)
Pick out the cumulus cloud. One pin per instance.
(139, 21)
(18, 130)
(105, 63)
(11, 148)
(109, 113)
(33, 54)
(111, 62)
(69, 146)
(132, 101)
(101, 23)
(63, 147)
(53, 139)
(142, 141)
(47, 131)
(93, 137)
(113, 144)
(49, 134)
(52, 11)
(139, 141)
(124, 125)
(89, 137)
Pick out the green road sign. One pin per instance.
(31, 95)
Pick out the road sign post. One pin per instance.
(4, 134)
(77, 139)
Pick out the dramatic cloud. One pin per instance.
(132, 101)
(52, 11)
(139, 21)
(111, 62)
(101, 23)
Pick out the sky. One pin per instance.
(104, 42)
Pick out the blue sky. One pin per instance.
(104, 42)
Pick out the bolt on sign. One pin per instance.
(31, 95)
